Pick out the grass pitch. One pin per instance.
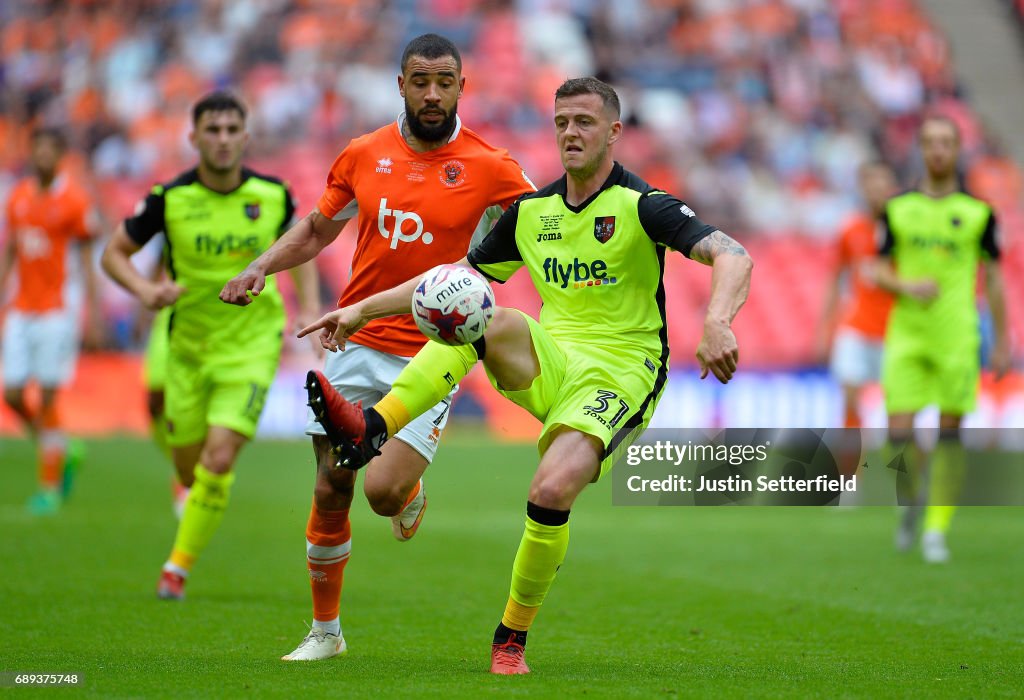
(651, 602)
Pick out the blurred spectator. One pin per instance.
(758, 110)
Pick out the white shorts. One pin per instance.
(43, 347)
(364, 374)
(856, 358)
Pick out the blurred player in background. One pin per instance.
(419, 187)
(935, 238)
(856, 329)
(47, 213)
(217, 217)
(594, 367)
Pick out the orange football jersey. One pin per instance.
(867, 309)
(415, 211)
(42, 223)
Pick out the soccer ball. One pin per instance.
(453, 304)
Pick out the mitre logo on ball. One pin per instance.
(453, 304)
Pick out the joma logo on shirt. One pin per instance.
(579, 273)
(229, 244)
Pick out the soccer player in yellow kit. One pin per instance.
(936, 236)
(221, 361)
(594, 366)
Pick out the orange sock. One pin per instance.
(51, 466)
(52, 446)
(328, 543)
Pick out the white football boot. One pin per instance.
(318, 644)
(933, 547)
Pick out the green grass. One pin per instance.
(651, 602)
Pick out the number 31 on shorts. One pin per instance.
(605, 400)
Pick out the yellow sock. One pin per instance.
(518, 616)
(428, 378)
(540, 554)
(949, 464)
(393, 411)
(938, 518)
(203, 512)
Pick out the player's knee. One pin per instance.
(556, 491)
(503, 323)
(508, 350)
(333, 491)
(384, 499)
(217, 466)
(505, 329)
(218, 459)
(325, 492)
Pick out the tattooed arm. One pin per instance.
(670, 222)
(730, 283)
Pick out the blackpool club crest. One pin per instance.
(453, 173)
(604, 228)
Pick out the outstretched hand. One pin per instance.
(718, 352)
(236, 291)
(335, 327)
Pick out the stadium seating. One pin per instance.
(757, 113)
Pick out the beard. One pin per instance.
(429, 133)
(45, 172)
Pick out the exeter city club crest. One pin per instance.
(604, 228)
(252, 210)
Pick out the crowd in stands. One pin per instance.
(756, 111)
